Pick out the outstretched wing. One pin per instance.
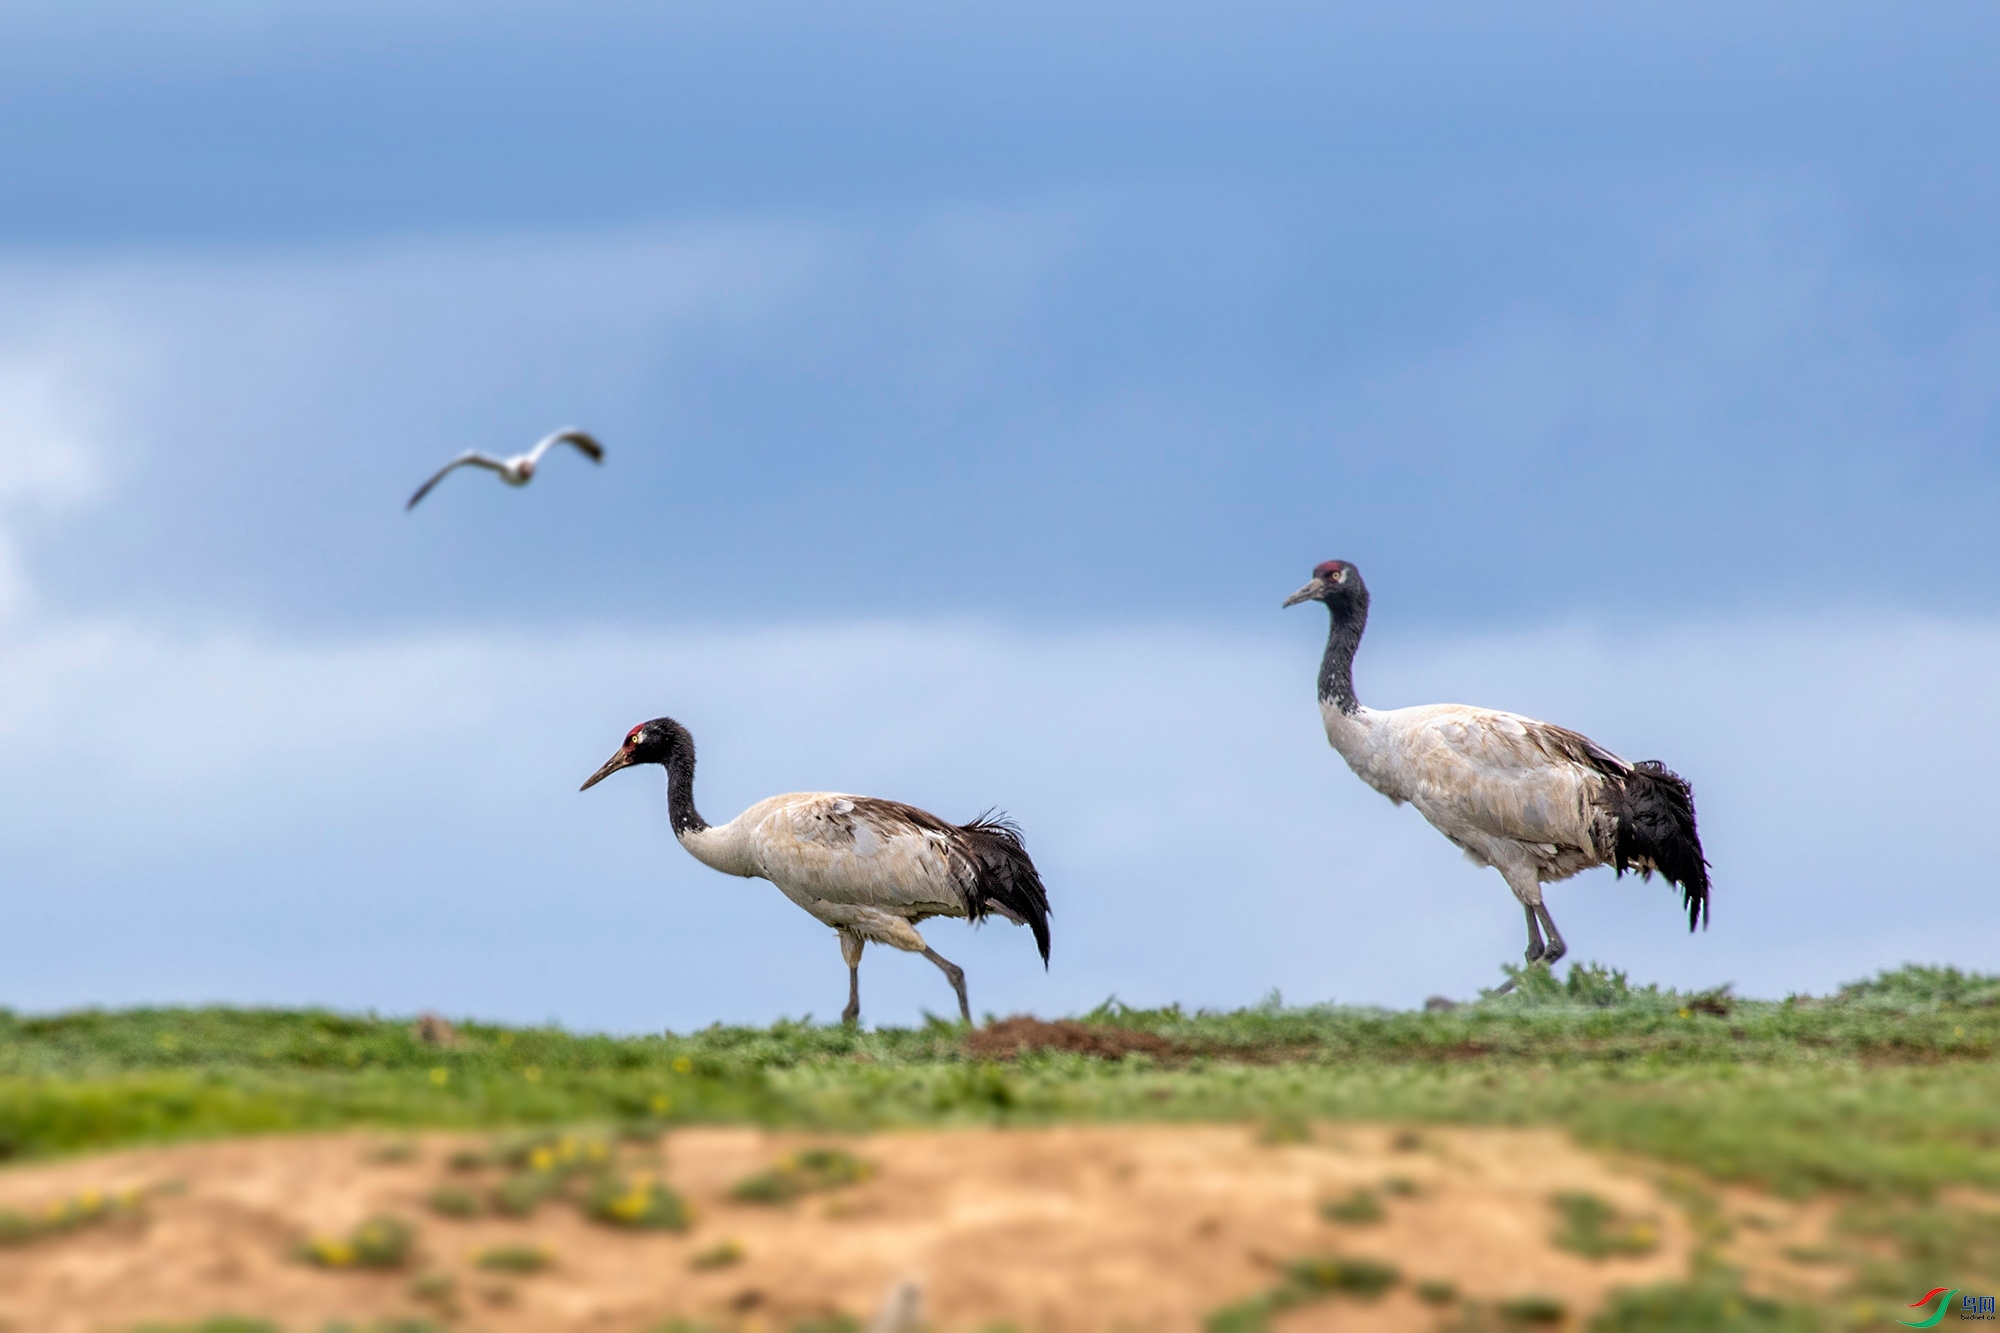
(585, 443)
(471, 456)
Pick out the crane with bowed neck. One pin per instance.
(871, 869)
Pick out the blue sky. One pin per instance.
(975, 385)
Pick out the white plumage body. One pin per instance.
(849, 861)
(1509, 790)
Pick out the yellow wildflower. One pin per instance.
(532, 1074)
(683, 1065)
(333, 1253)
(440, 1076)
(662, 1103)
(541, 1159)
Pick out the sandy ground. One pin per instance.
(1074, 1228)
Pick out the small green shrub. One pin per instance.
(514, 1259)
(1436, 1291)
(1591, 1227)
(438, 1288)
(806, 1172)
(521, 1193)
(1359, 1208)
(1348, 1277)
(641, 1203)
(1303, 1281)
(554, 1154)
(1532, 1311)
(455, 1201)
(722, 1254)
(378, 1243)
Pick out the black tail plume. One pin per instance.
(1654, 809)
(1003, 879)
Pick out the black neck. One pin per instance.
(1336, 668)
(680, 793)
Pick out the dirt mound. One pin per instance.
(1011, 1036)
(1062, 1230)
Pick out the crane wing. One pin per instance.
(859, 851)
(1503, 775)
(470, 456)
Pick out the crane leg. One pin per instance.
(1536, 949)
(954, 974)
(850, 951)
(1556, 947)
(1538, 952)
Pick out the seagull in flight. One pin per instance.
(515, 471)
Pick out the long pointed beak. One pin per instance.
(623, 759)
(1305, 594)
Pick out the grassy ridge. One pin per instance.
(1882, 1095)
(1889, 1086)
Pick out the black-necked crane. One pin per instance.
(520, 469)
(871, 869)
(1535, 801)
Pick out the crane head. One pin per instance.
(655, 742)
(1332, 580)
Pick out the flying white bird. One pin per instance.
(869, 868)
(1536, 802)
(520, 469)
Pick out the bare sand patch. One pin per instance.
(1067, 1228)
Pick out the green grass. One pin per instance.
(1881, 1095)
(1713, 1303)
(1888, 1087)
